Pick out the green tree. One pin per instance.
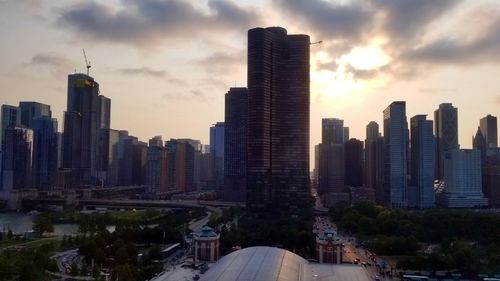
(42, 224)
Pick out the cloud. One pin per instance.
(335, 21)
(57, 64)
(222, 62)
(154, 73)
(189, 95)
(147, 22)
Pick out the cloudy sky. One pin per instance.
(166, 64)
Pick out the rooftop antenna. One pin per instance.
(87, 63)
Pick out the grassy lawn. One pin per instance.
(28, 243)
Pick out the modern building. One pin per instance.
(217, 153)
(331, 155)
(44, 151)
(156, 168)
(132, 157)
(11, 116)
(479, 143)
(462, 179)
(396, 155)
(446, 132)
(108, 162)
(278, 120)
(361, 194)
(31, 110)
(180, 167)
(87, 112)
(329, 247)
(374, 160)
(17, 158)
(354, 162)
(235, 144)
(488, 127)
(206, 245)
(422, 160)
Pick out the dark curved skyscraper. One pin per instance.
(278, 119)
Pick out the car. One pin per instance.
(355, 262)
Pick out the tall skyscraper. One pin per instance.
(31, 110)
(17, 158)
(235, 144)
(156, 168)
(44, 151)
(11, 116)
(374, 160)
(87, 112)
(132, 157)
(331, 172)
(422, 160)
(488, 127)
(180, 166)
(278, 120)
(217, 153)
(396, 154)
(446, 132)
(108, 162)
(353, 155)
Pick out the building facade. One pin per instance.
(206, 245)
(235, 144)
(422, 160)
(217, 133)
(354, 163)
(446, 132)
(17, 159)
(156, 168)
(488, 127)
(329, 247)
(396, 155)
(44, 152)
(278, 120)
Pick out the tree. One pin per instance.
(42, 224)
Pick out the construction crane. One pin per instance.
(314, 43)
(87, 63)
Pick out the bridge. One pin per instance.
(137, 204)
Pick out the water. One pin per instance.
(21, 222)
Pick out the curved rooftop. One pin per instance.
(260, 264)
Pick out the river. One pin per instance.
(21, 222)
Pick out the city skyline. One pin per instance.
(146, 74)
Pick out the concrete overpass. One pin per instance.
(138, 204)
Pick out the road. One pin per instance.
(65, 259)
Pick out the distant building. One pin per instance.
(44, 152)
(87, 112)
(31, 110)
(11, 116)
(353, 155)
(180, 165)
(235, 144)
(108, 161)
(17, 158)
(217, 152)
(396, 154)
(361, 194)
(331, 171)
(422, 160)
(329, 247)
(132, 156)
(156, 168)
(278, 120)
(488, 127)
(462, 179)
(206, 245)
(446, 132)
(374, 161)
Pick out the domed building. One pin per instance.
(329, 247)
(206, 245)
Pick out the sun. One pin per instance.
(366, 58)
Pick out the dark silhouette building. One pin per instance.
(31, 110)
(353, 156)
(488, 127)
(395, 155)
(180, 165)
(44, 152)
(87, 112)
(374, 160)
(235, 144)
(446, 132)
(331, 156)
(17, 158)
(278, 120)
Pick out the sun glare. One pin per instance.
(366, 58)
